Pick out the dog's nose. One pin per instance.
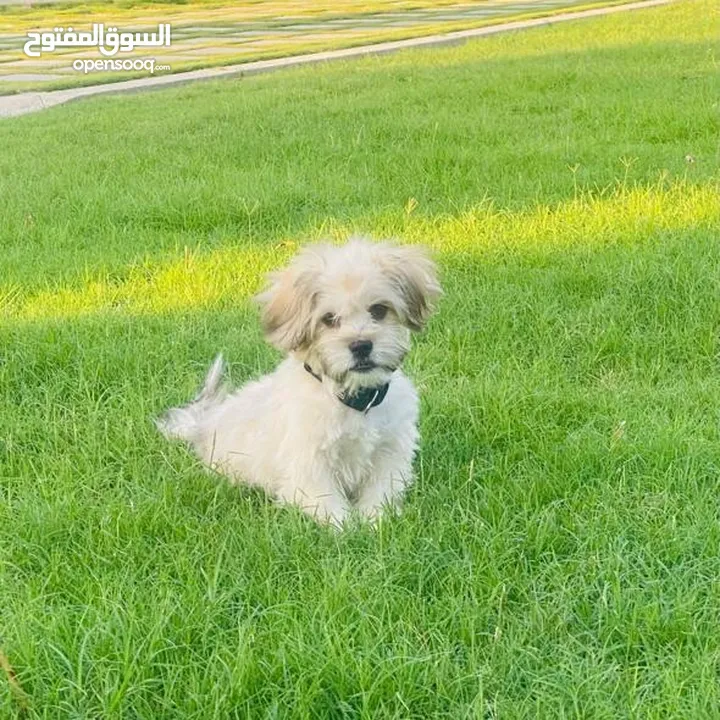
(361, 348)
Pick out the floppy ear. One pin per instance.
(288, 302)
(414, 276)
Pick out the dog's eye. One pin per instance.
(378, 312)
(330, 320)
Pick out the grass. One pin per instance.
(558, 556)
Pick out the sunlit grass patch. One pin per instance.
(194, 282)
(197, 280)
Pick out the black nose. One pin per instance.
(361, 348)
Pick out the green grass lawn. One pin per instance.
(559, 555)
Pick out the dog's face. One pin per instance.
(348, 311)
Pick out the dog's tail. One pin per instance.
(185, 423)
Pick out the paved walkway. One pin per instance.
(21, 104)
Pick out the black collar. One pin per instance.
(363, 399)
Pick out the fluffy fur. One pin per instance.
(288, 432)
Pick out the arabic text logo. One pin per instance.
(109, 43)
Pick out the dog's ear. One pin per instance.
(288, 301)
(414, 277)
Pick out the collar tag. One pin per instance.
(363, 400)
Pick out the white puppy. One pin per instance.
(335, 426)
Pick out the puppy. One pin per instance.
(334, 428)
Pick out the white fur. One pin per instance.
(288, 432)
